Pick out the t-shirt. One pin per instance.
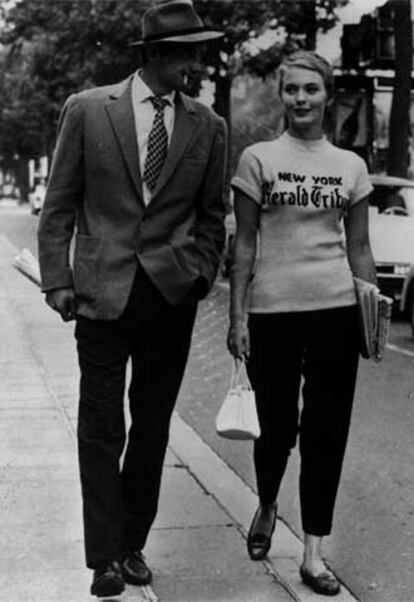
(304, 189)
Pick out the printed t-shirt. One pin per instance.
(304, 189)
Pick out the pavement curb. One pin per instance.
(240, 502)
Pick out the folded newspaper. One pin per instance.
(28, 265)
(375, 316)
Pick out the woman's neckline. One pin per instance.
(304, 143)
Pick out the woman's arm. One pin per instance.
(244, 254)
(357, 238)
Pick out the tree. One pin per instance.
(399, 128)
(24, 107)
(245, 21)
(52, 49)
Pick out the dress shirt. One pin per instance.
(144, 114)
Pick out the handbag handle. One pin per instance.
(239, 376)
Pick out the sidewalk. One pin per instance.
(197, 546)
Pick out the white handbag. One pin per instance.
(237, 417)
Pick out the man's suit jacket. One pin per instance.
(95, 191)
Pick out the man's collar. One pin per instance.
(142, 92)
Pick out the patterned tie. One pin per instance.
(157, 144)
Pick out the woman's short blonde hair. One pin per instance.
(307, 59)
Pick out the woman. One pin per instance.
(293, 310)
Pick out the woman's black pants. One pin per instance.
(120, 503)
(323, 348)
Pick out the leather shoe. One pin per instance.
(258, 543)
(135, 569)
(107, 580)
(324, 583)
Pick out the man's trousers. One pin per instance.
(120, 503)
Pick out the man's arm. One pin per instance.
(64, 193)
(210, 231)
(58, 216)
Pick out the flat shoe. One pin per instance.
(258, 544)
(325, 583)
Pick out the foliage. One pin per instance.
(52, 49)
(49, 50)
(244, 21)
(257, 113)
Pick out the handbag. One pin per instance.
(237, 417)
(374, 317)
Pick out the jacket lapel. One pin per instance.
(185, 124)
(121, 114)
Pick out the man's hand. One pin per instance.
(63, 301)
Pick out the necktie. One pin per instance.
(157, 144)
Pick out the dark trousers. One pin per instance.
(120, 504)
(322, 346)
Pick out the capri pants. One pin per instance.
(322, 348)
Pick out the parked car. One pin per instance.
(37, 197)
(391, 225)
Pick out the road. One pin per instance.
(371, 548)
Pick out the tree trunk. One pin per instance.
(21, 174)
(399, 126)
(222, 101)
(309, 9)
(222, 106)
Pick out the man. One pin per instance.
(138, 176)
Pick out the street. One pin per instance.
(371, 547)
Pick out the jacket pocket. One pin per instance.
(186, 254)
(86, 268)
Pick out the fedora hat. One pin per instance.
(174, 21)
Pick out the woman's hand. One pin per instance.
(238, 340)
